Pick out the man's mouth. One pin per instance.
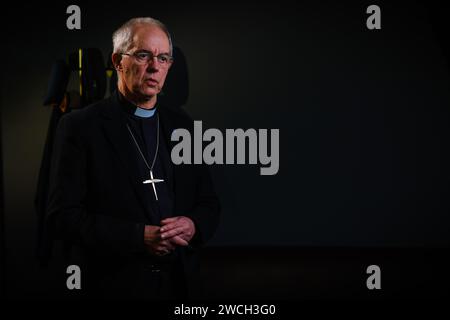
(151, 82)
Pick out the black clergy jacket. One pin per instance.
(98, 203)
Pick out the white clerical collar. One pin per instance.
(144, 113)
(133, 109)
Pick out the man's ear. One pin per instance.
(117, 61)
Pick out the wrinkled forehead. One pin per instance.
(151, 38)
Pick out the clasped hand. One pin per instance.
(174, 231)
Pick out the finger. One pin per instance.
(170, 226)
(168, 220)
(172, 232)
(167, 245)
(179, 241)
(162, 248)
(177, 223)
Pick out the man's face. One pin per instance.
(145, 80)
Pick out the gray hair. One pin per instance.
(123, 37)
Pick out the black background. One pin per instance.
(363, 118)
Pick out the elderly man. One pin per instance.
(115, 195)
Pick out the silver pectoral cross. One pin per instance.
(153, 181)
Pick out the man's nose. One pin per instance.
(152, 65)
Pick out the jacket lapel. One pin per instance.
(167, 126)
(116, 132)
(181, 173)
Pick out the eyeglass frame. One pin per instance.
(151, 57)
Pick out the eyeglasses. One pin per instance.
(143, 57)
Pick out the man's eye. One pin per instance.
(142, 55)
(163, 59)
